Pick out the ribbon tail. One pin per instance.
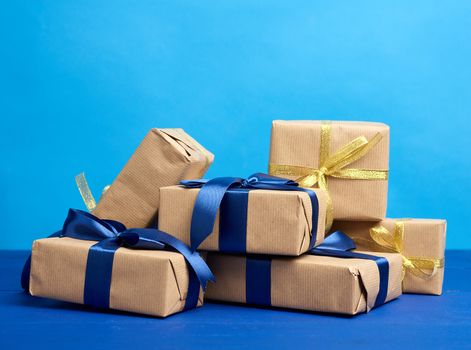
(85, 192)
(206, 207)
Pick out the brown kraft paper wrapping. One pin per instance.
(278, 222)
(298, 143)
(309, 282)
(143, 281)
(164, 158)
(422, 239)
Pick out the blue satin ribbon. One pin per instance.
(338, 244)
(230, 196)
(112, 235)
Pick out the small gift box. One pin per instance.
(329, 282)
(164, 157)
(348, 159)
(262, 215)
(421, 243)
(137, 270)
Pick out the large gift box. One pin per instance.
(260, 221)
(308, 282)
(421, 243)
(165, 157)
(89, 262)
(348, 159)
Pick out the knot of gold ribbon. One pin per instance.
(422, 267)
(333, 165)
(85, 191)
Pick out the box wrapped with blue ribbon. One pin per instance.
(261, 214)
(102, 264)
(329, 278)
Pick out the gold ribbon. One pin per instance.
(333, 165)
(85, 191)
(424, 268)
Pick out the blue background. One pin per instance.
(83, 81)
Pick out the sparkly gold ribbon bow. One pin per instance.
(333, 165)
(85, 191)
(424, 268)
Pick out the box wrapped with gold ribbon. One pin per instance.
(421, 243)
(348, 159)
(164, 158)
(330, 278)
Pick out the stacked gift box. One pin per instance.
(310, 235)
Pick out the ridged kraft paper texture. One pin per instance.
(143, 281)
(423, 238)
(297, 143)
(278, 222)
(164, 158)
(308, 282)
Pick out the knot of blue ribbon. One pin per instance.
(211, 195)
(112, 235)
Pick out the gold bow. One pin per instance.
(333, 165)
(85, 191)
(424, 268)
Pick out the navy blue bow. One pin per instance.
(212, 193)
(112, 235)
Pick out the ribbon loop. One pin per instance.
(85, 226)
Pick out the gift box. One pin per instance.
(308, 282)
(348, 159)
(421, 243)
(249, 220)
(142, 271)
(164, 157)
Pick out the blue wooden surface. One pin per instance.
(413, 321)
